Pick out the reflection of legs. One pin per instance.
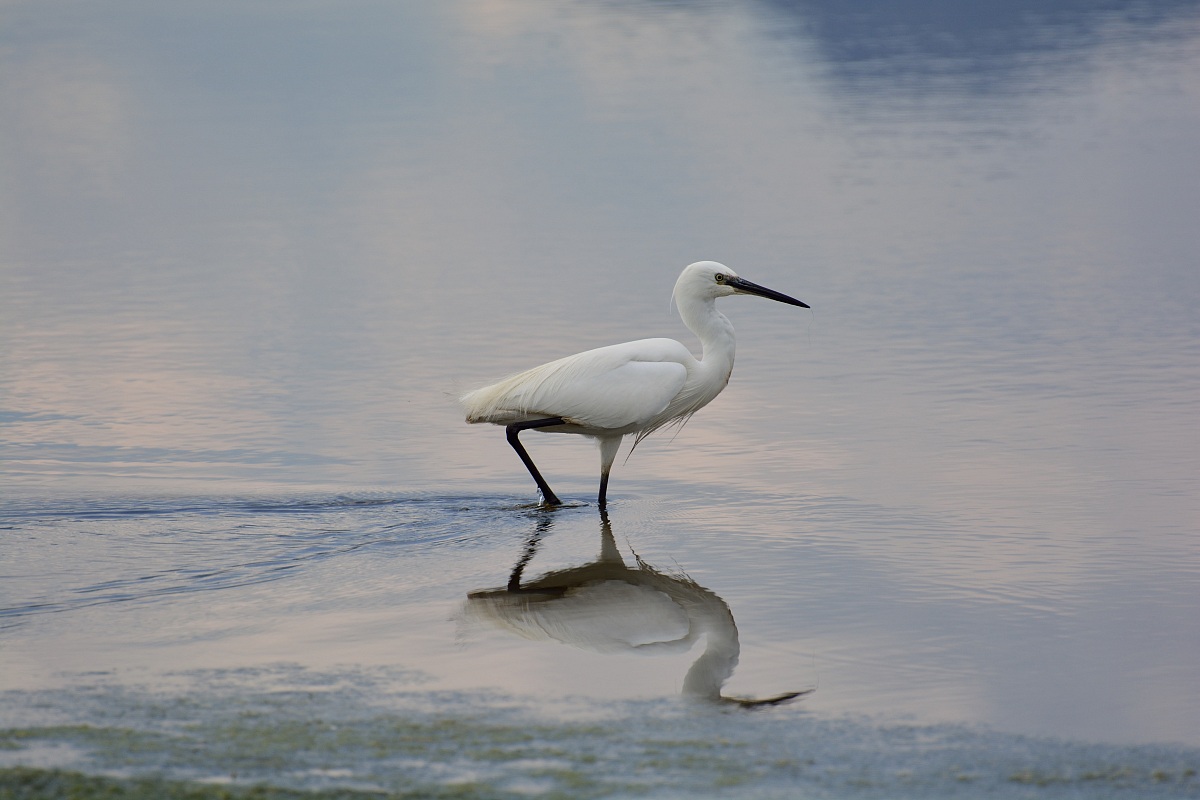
(544, 524)
(549, 498)
(608, 545)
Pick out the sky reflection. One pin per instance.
(248, 249)
(919, 49)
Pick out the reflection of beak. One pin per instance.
(752, 703)
(746, 287)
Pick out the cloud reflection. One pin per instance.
(70, 120)
(607, 607)
(919, 48)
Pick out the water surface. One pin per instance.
(249, 256)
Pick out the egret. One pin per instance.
(606, 606)
(623, 389)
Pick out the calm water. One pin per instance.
(249, 255)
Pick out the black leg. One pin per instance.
(543, 526)
(603, 499)
(548, 496)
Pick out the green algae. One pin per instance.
(22, 783)
(254, 735)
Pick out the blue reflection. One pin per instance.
(911, 46)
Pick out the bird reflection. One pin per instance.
(606, 606)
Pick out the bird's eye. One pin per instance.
(720, 277)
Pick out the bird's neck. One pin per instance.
(721, 649)
(715, 332)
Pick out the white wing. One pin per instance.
(608, 388)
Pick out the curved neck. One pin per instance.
(721, 649)
(712, 327)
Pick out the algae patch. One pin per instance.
(288, 733)
(21, 783)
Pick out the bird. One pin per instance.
(606, 606)
(634, 388)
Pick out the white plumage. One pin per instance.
(631, 388)
(606, 389)
(605, 606)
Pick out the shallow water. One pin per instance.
(248, 258)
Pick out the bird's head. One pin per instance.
(710, 280)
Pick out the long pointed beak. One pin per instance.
(746, 287)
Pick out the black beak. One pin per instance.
(747, 287)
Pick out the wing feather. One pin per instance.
(608, 388)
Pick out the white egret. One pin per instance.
(631, 388)
(605, 606)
